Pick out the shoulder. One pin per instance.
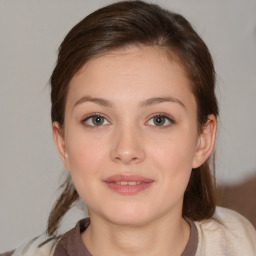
(227, 233)
(44, 245)
(39, 246)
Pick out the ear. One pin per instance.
(58, 136)
(205, 143)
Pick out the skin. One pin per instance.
(129, 141)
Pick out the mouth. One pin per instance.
(128, 184)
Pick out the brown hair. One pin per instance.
(138, 23)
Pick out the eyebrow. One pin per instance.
(99, 101)
(157, 100)
(145, 103)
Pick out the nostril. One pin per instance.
(127, 157)
(126, 148)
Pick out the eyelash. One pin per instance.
(158, 115)
(162, 115)
(85, 120)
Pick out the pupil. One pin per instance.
(98, 120)
(159, 120)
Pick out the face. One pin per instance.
(130, 135)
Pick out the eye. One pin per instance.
(95, 120)
(160, 120)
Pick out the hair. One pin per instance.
(130, 23)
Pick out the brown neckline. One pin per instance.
(71, 243)
(191, 247)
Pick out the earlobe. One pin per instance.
(59, 140)
(206, 142)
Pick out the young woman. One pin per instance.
(134, 118)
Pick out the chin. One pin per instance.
(129, 216)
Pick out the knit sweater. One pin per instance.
(226, 234)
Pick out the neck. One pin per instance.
(160, 237)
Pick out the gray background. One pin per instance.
(30, 33)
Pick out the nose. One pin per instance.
(127, 146)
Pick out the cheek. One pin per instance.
(174, 153)
(85, 154)
(85, 157)
(173, 159)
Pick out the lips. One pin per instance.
(128, 184)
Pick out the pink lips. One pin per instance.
(128, 184)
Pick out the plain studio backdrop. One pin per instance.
(30, 33)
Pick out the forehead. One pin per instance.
(129, 54)
(133, 72)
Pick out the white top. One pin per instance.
(226, 234)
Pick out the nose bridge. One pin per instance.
(127, 144)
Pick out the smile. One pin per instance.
(128, 184)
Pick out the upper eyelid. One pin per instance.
(162, 114)
(86, 117)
